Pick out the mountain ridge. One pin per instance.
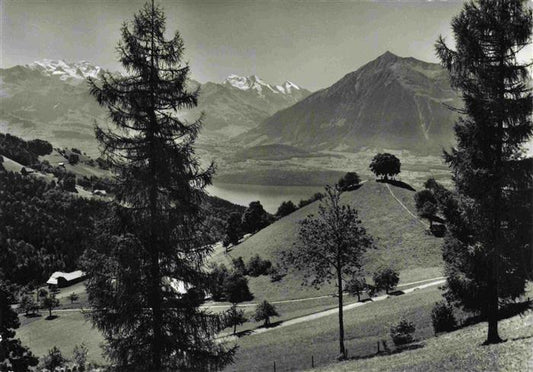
(390, 102)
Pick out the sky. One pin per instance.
(311, 43)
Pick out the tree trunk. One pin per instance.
(342, 351)
(50, 312)
(358, 296)
(234, 328)
(492, 308)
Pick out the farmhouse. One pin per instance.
(61, 279)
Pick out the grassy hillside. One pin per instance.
(401, 241)
(460, 351)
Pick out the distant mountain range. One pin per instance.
(241, 103)
(389, 103)
(50, 99)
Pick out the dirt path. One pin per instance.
(325, 313)
(404, 207)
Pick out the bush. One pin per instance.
(73, 159)
(257, 266)
(75, 150)
(276, 274)
(442, 317)
(402, 333)
(80, 356)
(239, 265)
(349, 181)
(54, 359)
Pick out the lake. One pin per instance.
(269, 196)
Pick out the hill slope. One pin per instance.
(391, 102)
(401, 240)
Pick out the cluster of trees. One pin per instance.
(287, 207)
(253, 219)
(42, 229)
(24, 152)
(349, 181)
(385, 279)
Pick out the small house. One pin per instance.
(60, 279)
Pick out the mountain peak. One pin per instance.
(254, 82)
(66, 70)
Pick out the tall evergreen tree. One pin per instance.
(488, 248)
(13, 355)
(152, 238)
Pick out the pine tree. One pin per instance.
(488, 247)
(152, 239)
(13, 355)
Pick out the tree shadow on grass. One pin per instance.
(397, 350)
(396, 183)
(243, 333)
(396, 293)
(51, 317)
(33, 315)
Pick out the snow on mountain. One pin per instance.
(66, 71)
(254, 82)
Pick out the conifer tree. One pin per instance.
(152, 238)
(488, 248)
(13, 355)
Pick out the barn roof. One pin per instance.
(67, 276)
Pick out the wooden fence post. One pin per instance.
(274, 366)
(312, 361)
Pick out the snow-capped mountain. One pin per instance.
(49, 99)
(67, 71)
(240, 103)
(254, 82)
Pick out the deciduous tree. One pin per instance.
(332, 245)
(385, 165)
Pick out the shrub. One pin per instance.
(80, 356)
(349, 181)
(442, 317)
(239, 265)
(277, 273)
(54, 359)
(73, 297)
(76, 150)
(73, 159)
(257, 266)
(402, 333)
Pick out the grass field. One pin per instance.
(401, 241)
(292, 347)
(459, 351)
